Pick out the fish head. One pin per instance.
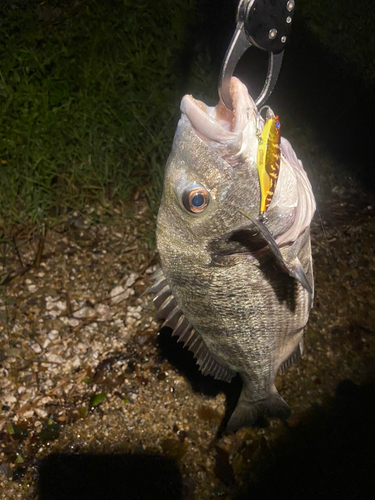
(208, 180)
(211, 176)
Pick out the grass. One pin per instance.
(87, 101)
(346, 29)
(89, 96)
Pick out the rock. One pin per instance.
(85, 312)
(50, 303)
(103, 311)
(61, 306)
(76, 362)
(118, 294)
(9, 399)
(41, 412)
(73, 322)
(53, 335)
(54, 358)
(130, 321)
(36, 348)
(46, 343)
(131, 280)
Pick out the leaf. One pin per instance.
(97, 399)
(82, 412)
(15, 430)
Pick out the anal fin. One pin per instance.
(293, 358)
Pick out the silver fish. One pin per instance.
(236, 290)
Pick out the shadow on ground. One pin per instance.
(109, 477)
(183, 359)
(329, 455)
(180, 357)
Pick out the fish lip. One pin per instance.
(219, 124)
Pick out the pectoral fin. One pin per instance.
(293, 268)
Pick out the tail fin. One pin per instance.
(247, 412)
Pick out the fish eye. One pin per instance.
(195, 199)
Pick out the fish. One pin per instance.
(235, 287)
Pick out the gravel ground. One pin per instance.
(96, 404)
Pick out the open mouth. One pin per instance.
(219, 124)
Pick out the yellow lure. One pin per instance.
(268, 161)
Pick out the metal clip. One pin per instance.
(266, 25)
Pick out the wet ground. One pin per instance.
(96, 404)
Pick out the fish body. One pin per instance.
(232, 300)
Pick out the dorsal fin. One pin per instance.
(168, 309)
(161, 296)
(173, 318)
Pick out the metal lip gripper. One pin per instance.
(266, 24)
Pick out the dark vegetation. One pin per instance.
(89, 90)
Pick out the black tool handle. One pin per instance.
(267, 23)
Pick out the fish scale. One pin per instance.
(237, 290)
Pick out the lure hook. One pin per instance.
(269, 115)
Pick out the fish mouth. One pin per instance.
(219, 124)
